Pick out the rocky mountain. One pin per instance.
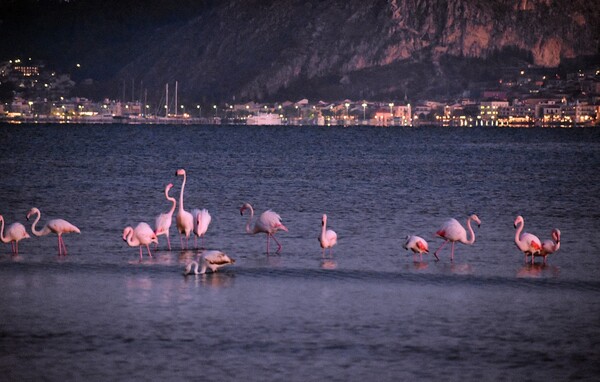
(291, 49)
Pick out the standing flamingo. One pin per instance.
(164, 220)
(417, 245)
(452, 231)
(14, 233)
(185, 220)
(269, 222)
(141, 235)
(328, 237)
(551, 246)
(529, 244)
(57, 226)
(201, 221)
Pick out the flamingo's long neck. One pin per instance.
(248, 229)
(556, 240)
(181, 194)
(323, 229)
(34, 230)
(518, 234)
(172, 200)
(129, 237)
(472, 239)
(2, 239)
(188, 269)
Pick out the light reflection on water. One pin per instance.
(368, 311)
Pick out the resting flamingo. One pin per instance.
(211, 259)
(14, 233)
(328, 237)
(417, 245)
(141, 235)
(268, 222)
(185, 220)
(527, 243)
(163, 221)
(201, 222)
(452, 231)
(57, 226)
(551, 246)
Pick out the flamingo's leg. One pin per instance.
(437, 250)
(452, 254)
(268, 235)
(62, 240)
(148, 248)
(278, 244)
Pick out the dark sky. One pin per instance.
(65, 32)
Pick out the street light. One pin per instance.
(347, 106)
(199, 111)
(391, 105)
(215, 107)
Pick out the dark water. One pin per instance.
(368, 313)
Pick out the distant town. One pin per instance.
(29, 93)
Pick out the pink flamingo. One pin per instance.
(551, 246)
(269, 222)
(328, 237)
(14, 233)
(185, 220)
(57, 226)
(212, 260)
(201, 222)
(141, 235)
(417, 245)
(527, 243)
(452, 231)
(164, 220)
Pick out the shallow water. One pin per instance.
(368, 312)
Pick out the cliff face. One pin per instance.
(260, 49)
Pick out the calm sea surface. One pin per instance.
(369, 312)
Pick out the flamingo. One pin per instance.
(211, 259)
(14, 233)
(452, 231)
(416, 244)
(328, 237)
(551, 246)
(201, 221)
(57, 226)
(141, 235)
(185, 220)
(529, 244)
(164, 220)
(269, 222)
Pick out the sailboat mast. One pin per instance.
(176, 98)
(167, 100)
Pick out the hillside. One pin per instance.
(292, 49)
